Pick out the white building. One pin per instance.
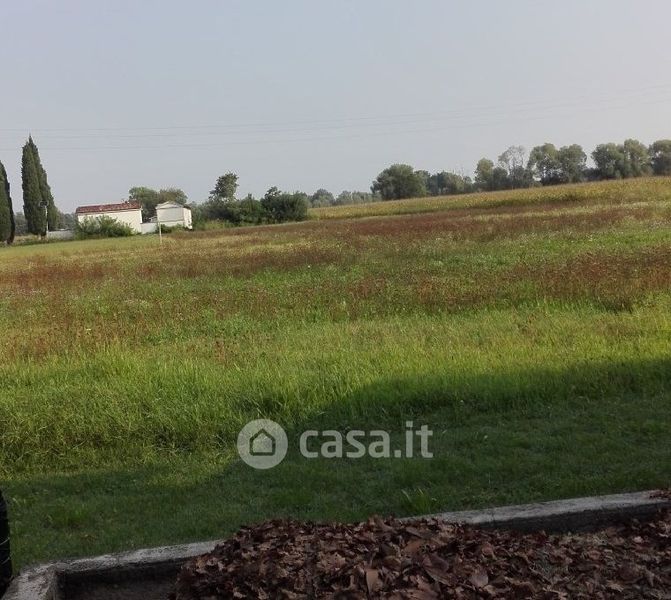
(128, 213)
(171, 214)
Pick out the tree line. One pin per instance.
(544, 165)
(275, 207)
(222, 204)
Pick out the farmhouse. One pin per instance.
(168, 214)
(129, 213)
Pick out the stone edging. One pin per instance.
(43, 582)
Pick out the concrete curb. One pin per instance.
(47, 582)
(575, 514)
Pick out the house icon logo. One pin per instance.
(262, 444)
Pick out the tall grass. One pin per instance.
(116, 405)
(124, 350)
(530, 329)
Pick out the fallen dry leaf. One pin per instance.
(430, 560)
(479, 578)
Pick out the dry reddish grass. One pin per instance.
(43, 273)
(176, 264)
(615, 280)
(247, 251)
(337, 269)
(509, 224)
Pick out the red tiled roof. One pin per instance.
(99, 208)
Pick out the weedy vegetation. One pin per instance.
(530, 329)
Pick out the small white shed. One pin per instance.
(171, 214)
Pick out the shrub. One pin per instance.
(275, 207)
(101, 227)
(281, 206)
(245, 212)
(238, 212)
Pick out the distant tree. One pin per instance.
(500, 179)
(53, 214)
(399, 181)
(69, 221)
(660, 155)
(544, 164)
(346, 197)
(250, 211)
(435, 185)
(7, 224)
(282, 206)
(343, 198)
(142, 194)
(457, 184)
(469, 185)
(484, 174)
(32, 197)
(512, 160)
(521, 177)
(21, 224)
(322, 197)
(446, 183)
(424, 177)
(247, 211)
(617, 161)
(609, 161)
(204, 212)
(636, 159)
(225, 188)
(573, 162)
(172, 195)
(149, 199)
(551, 166)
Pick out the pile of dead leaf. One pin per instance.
(430, 559)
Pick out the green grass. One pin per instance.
(604, 191)
(529, 329)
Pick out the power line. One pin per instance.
(333, 123)
(387, 132)
(267, 141)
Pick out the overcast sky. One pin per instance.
(304, 94)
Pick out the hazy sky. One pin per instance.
(304, 94)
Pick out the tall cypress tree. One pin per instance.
(32, 197)
(45, 191)
(12, 218)
(6, 212)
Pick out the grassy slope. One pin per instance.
(587, 193)
(529, 329)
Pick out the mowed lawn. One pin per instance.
(530, 330)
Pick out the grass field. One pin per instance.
(531, 330)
